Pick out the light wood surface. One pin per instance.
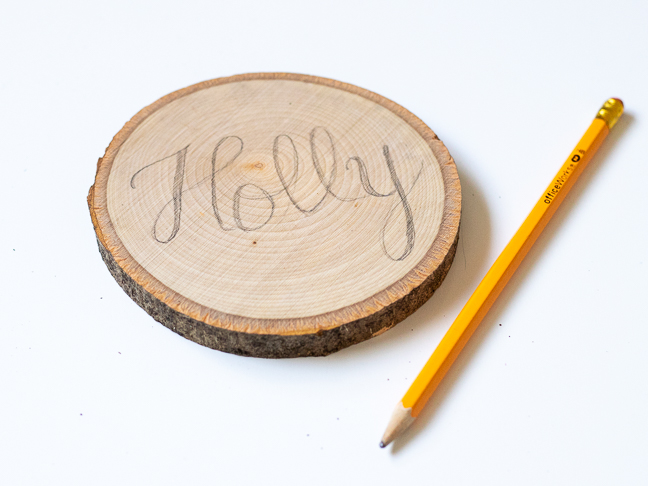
(277, 215)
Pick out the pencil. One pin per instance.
(499, 274)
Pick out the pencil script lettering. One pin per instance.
(287, 166)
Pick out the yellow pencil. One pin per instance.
(482, 299)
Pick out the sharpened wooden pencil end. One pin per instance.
(400, 420)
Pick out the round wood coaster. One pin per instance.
(276, 215)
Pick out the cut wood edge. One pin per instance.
(320, 343)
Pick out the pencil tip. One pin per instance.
(400, 420)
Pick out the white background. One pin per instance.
(93, 391)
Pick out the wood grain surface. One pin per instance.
(276, 215)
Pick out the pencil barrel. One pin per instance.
(502, 270)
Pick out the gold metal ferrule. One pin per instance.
(611, 111)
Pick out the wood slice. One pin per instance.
(276, 215)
